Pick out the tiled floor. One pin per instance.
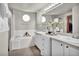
(33, 51)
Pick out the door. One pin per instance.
(46, 45)
(57, 48)
(74, 51)
(69, 24)
(66, 50)
(38, 41)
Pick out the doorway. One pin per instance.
(69, 24)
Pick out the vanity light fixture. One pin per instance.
(53, 5)
(43, 19)
(26, 18)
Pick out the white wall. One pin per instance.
(20, 24)
(75, 14)
(3, 43)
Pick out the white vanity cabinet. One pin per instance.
(43, 43)
(74, 51)
(63, 49)
(70, 50)
(45, 46)
(37, 40)
(57, 48)
(66, 48)
(51, 45)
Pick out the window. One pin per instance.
(26, 18)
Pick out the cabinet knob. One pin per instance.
(61, 44)
(67, 46)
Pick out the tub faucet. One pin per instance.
(27, 34)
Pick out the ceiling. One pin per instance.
(66, 7)
(28, 7)
(35, 7)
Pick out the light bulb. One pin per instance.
(26, 18)
(43, 19)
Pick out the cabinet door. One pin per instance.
(57, 48)
(46, 45)
(38, 41)
(43, 44)
(66, 50)
(74, 51)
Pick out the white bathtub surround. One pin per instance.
(22, 32)
(20, 41)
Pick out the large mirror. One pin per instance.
(61, 19)
(63, 25)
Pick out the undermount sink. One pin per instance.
(75, 37)
(70, 39)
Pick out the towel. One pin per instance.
(4, 24)
(4, 15)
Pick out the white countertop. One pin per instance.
(62, 38)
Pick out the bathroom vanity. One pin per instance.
(43, 43)
(56, 45)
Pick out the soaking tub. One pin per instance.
(20, 42)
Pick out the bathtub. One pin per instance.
(21, 42)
